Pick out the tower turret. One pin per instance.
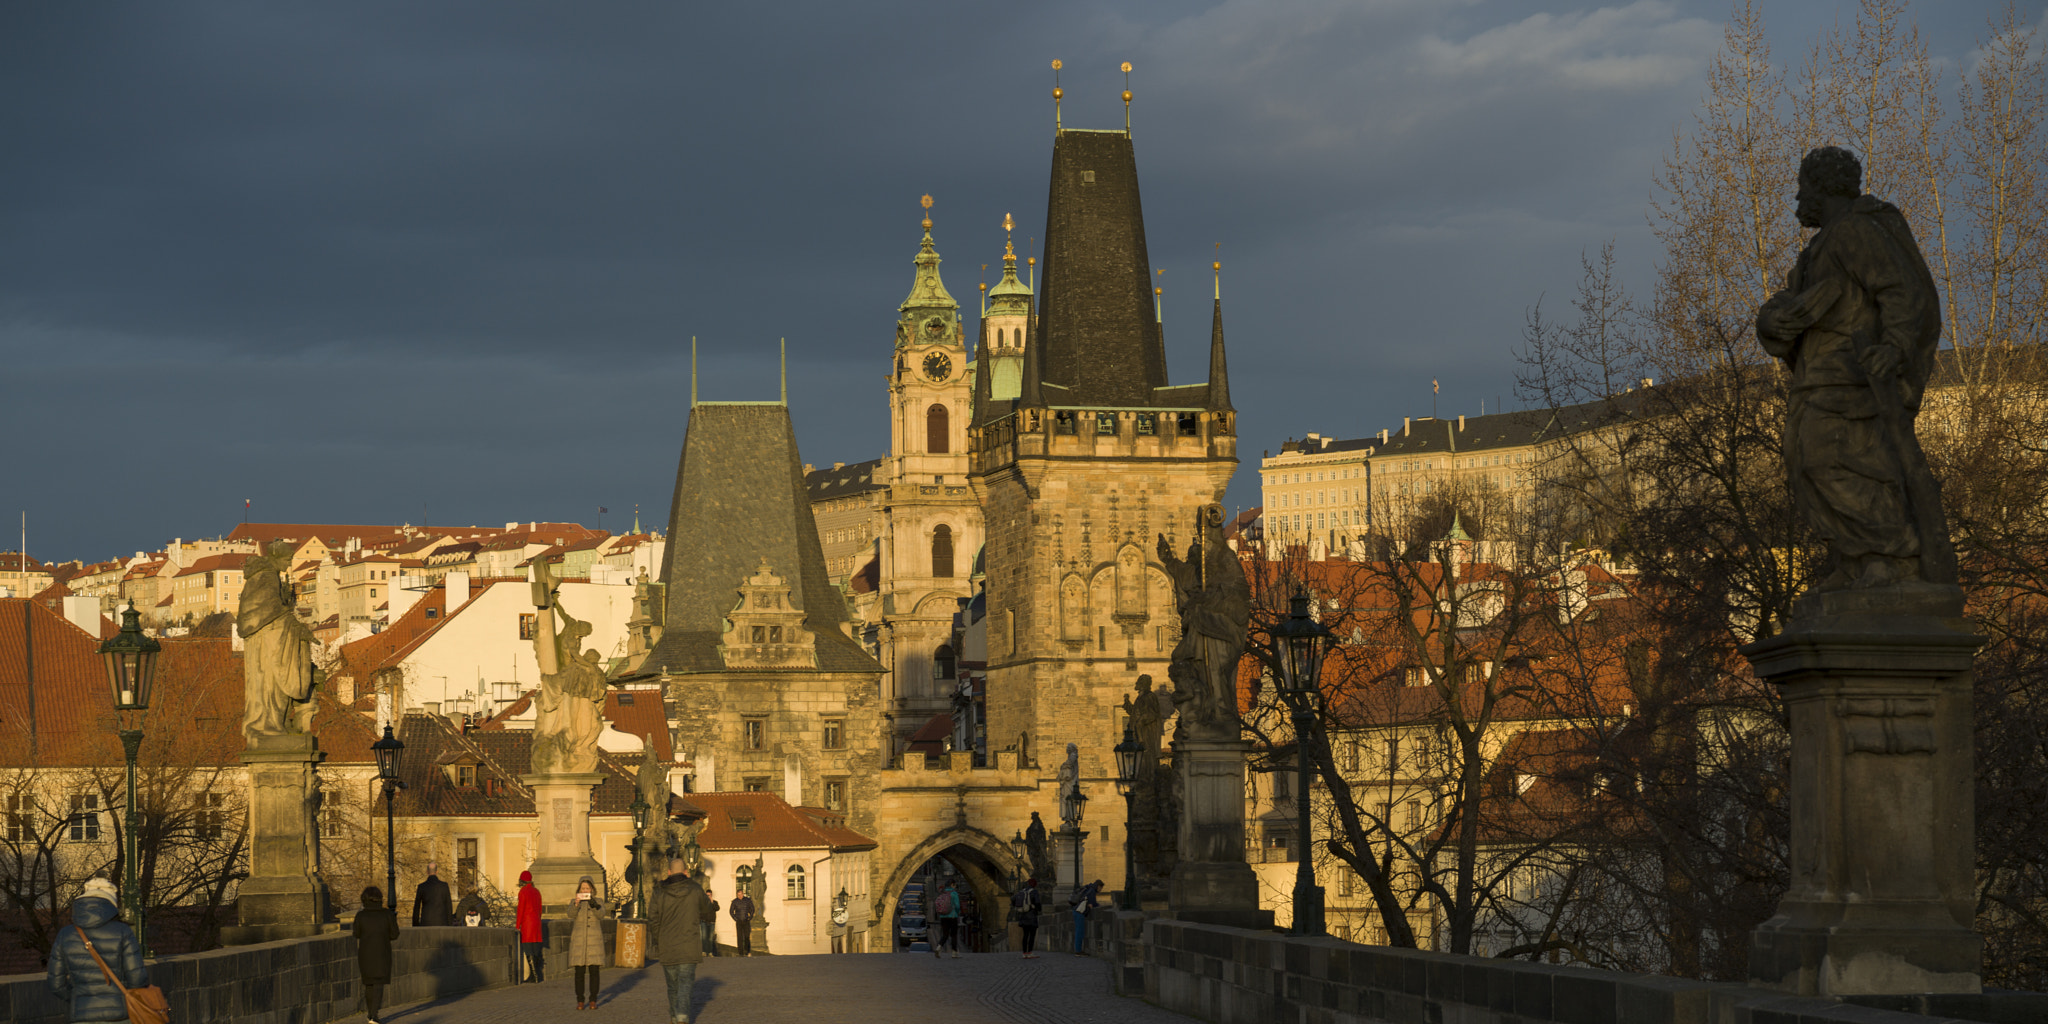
(1006, 324)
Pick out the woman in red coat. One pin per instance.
(529, 923)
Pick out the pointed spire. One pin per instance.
(785, 371)
(693, 371)
(1219, 367)
(982, 375)
(1009, 294)
(928, 300)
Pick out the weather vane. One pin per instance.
(1057, 92)
(1009, 251)
(1127, 97)
(927, 203)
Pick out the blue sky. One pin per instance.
(373, 262)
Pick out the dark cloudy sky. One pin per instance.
(366, 262)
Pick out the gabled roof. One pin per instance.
(740, 501)
(216, 563)
(852, 478)
(764, 821)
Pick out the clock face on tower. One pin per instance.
(937, 366)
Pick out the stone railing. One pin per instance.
(298, 981)
(1234, 976)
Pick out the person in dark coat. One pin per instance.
(473, 903)
(430, 902)
(75, 976)
(376, 928)
(680, 906)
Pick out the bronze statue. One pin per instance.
(1857, 325)
(569, 705)
(1215, 610)
(1039, 852)
(1148, 714)
(277, 655)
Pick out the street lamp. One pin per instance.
(1128, 755)
(1300, 643)
(839, 920)
(387, 750)
(640, 809)
(693, 858)
(131, 672)
(1023, 851)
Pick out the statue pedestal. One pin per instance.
(1211, 883)
(562, 803)
(1067, 850)
(1877, 686)
(282, 898)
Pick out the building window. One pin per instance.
(943, 663)
(1105, 423)
(18, 810)
(936, 434)
(84, 824)
(942, 551)
(756, 733)
(465, 776)
(743, 876)
(529, 624)
(1282, 786)
(757, 784)
(1414, 817)
(465, 865)
(793, 883)
(1190, 424)
(330, 814)
(835, 734)
(1148, 424)
(1393, 754)
(212, 817)
(835, 794)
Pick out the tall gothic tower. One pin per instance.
(932, 526)
(1080, 471)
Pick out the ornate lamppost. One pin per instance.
(640, 808)
(387, 750)
(1071, 810)
(839, 919)
(131, 672)
(1128, 754)
(1023, 851)
(1300, 642)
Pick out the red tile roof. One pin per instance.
(216, 563)
(640, 713)
(11, 561)
(764, 821)
(333, 533)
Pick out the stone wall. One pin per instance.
(297, 981)
(1233, 976)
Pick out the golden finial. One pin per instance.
(927, 203)
(1127, 97)
(1009, 251)
(1057, 94)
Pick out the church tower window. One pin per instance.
(942, 551)
(936, 433)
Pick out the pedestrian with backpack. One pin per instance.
(947, 906)
(1025, 907)
(1083, 902)
(96, 964)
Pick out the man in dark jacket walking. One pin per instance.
(742, 910)
(375, 929)
(430, 902)
(76, 977)
(675, 920)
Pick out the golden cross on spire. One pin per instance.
(927, 203)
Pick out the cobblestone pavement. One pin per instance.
(878, 988)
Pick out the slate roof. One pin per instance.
(739, 500)
(1100, 339)
(852, 478)
(1429, 436)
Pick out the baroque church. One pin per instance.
(816, 624)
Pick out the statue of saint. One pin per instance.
(1857, 325)
(1070, 787)
(277, 654)
(1215, 610)
(1036, 848)
(570, 703)
(1148, 714)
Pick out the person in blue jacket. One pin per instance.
(76, 977)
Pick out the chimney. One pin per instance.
(1383, 436)
(1406, 421)
(454, 591)
(1461, 421)
(432, 707)
(839, 465)
(808, 469)
(1647, 381)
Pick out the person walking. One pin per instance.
(430, 902)
(96, 931)
(948, 908)
(1026, 905)
(528, 920)
(742, 911)
(1084, 901)
(376, 928)
(586, 940)
(676, 917)
(710, 926)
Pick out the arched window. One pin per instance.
(794, 882)
(935, 432)
(943, 662)
(942, 550)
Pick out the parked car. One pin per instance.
(911, 929)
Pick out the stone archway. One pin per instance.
(982, 859)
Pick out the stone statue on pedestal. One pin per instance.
(1875, 664)
(1070, 787)
(1148, 710)
(570, 702)
(1215, 606)
(277, 656)
(1037, 847)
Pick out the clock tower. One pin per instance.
(931, 520)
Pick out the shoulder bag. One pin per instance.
(146, 1005)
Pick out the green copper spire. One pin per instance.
(1457, 529)
(930, 314)
(1010, 295)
